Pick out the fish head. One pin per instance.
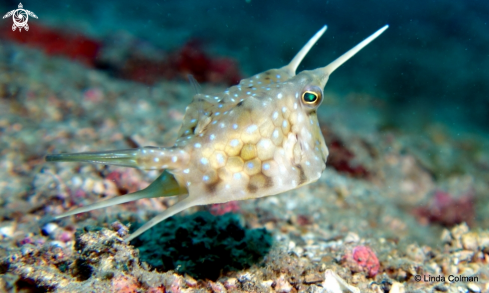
(260, 137)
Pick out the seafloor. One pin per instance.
(391, 206)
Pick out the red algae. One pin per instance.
(362, 259)
(224, 208)
(57, 42)
(190, 59)
(446, 210)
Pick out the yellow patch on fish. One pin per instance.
(258, 138)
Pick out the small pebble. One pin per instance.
(27, 249)
(120, 228)
(49, 228)
(473, 287)
(282, 286)
(267, 283)
(77, 181)
(352, 237)
(217, 287)
(98, 187)
(7, 231)
(244, 277)
(191, 282)
(231, 283)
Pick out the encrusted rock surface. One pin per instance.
(366, 204)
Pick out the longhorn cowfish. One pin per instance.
(258, 138)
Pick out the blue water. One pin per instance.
(430, 65)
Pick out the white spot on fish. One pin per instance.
(205, 178)
(234, 143)
(186, 171)
(220, 158)
(266, 166)
(235, 126)
(197, 145)
(295, 106)
(204, 161)
(156, 160)
(174, 159)
(252, 128)
(275, 133)
(275, 115)
(279, 96)
(212, 137)
(237, 176)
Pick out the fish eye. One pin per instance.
(312, 96)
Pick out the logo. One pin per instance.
(20, 17)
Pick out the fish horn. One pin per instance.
(327, 70)
(292, 66)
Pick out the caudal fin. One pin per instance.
(127, 158)
(149, 158)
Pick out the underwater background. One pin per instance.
(431, 64)
(406, 121)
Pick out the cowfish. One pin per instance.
(258, 138)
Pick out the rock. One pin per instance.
(313, 278)
(282, 286)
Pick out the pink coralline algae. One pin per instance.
(224, 208)
(447, 210)
(362, 259)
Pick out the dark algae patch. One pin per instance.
(203, 245)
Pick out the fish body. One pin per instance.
(258, 138)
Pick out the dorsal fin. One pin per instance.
(195, 84)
